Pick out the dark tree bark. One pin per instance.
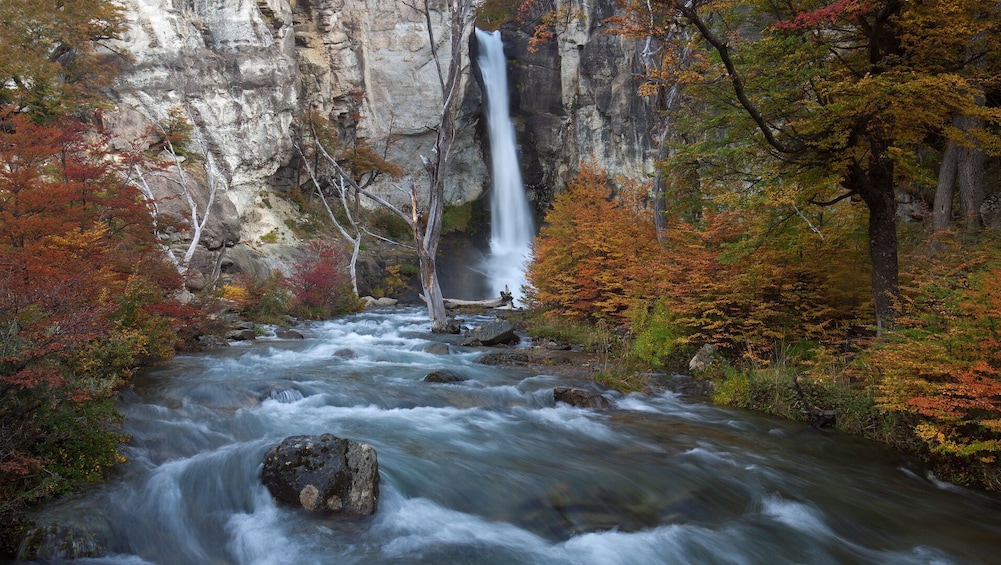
(944, 192)
(876, 188)
(970, 176)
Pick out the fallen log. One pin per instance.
(506, 299)
(452, 304)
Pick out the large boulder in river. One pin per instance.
(497, 332)
(323, 473)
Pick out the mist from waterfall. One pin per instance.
(511, 226)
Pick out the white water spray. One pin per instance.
(511, 229)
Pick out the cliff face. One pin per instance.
(369, 67)
(243, 70)
(575, 101)
(230, 69)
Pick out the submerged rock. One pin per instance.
(580, 398)
(443, 377)
(346, 354)
(323, 474)
(282, 393)
(437, 349)
(71, 529)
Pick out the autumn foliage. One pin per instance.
(592, 257)
(790, 130)
(319, 284)
(83, 300)
(942, 365)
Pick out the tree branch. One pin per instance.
(690, 12)
(848, 194)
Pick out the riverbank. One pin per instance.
(832, 396)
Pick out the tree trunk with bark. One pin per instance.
(942, 214)
(963, 167)
(875, 186)
(970, 176)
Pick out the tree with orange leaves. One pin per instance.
(83, 298)
(594, 254)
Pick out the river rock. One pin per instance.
(443, 376)
(285, 334)
(323, 474)
(580, 398)
(497, 332)
(284, 394)
(345, 354)
(74, 528)
(437, 349)
(282, 333)
(241, 335)
(376, 302)
(516, 358)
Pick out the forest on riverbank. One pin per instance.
(823, 216)
(790, 137)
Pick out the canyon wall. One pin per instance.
(576, 101)
(243, 71)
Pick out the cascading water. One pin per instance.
(511, 227)
(491, 470)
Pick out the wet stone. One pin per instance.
(323, 473)
(443, 377)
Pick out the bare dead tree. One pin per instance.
(342, 185)
(428, 235)
(198, 218)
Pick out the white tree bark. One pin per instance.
(342, 187)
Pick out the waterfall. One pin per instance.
(511, 229)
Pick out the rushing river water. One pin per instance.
(491, 471)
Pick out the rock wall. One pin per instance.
(243, 70)
(230, 67)
(576, 101)
(368, 66)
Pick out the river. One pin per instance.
(490, 470)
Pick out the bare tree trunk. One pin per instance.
(342, 188)
(426, 240)
(197, 223)
(198, 219)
